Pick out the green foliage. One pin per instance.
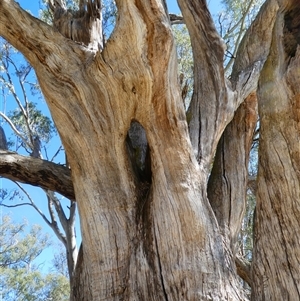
(233, 22)
(20, 278)
(185, 61)
(39, 124)
(19, 250)
(24, 285)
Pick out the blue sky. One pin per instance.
(37, 194)
(35, 5)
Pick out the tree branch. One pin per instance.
(256, 42)
(243, 269)
(176, 19)
(210, 92)
(36, 172)
(239, 34)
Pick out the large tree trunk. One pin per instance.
(277, 242)
(163, 243)
(155, 236)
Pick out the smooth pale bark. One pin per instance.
(277, 245)
(165, 245)
(68, 235)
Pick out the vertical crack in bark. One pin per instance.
(228, 188)
(160, 269)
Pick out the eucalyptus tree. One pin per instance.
(232, 23)
(20, 277)
(157, 222)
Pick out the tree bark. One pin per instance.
(276, 254)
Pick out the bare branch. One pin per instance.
(175, 19)
(16, 205)
(57, 152)
(11, 84)
(36, 172)
(72, 213)
(240, 34)
(58, 208)
(54, 226)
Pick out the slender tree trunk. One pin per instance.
(277, 246)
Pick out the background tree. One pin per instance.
(31, 132)
(152, 233)
(20, 277)
(232, 23)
